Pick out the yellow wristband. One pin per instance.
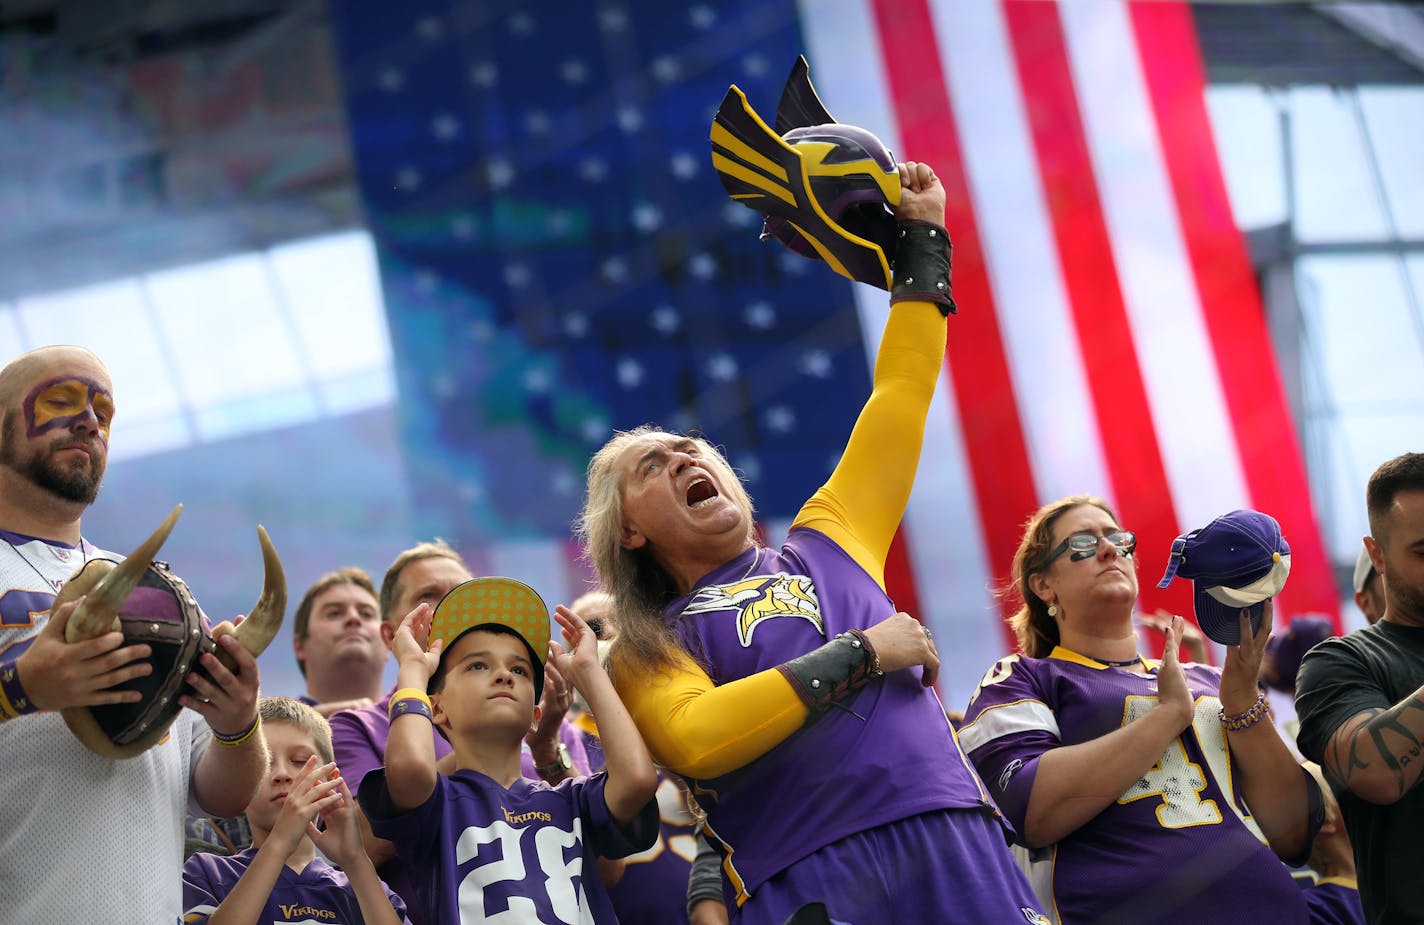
(233, 741)
(409, 693)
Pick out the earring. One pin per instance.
(1053, 610)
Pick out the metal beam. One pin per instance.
(1392, 26)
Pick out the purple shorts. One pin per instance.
(951, 865)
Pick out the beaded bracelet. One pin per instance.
(410, 700)
(233, 741)
(13, 699)
(1259, 711)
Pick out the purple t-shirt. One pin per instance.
(1179, 845)
(840, 774)
(320, 893)
(483, 851)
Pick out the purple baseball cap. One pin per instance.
(1237, 562)
(1284, 652)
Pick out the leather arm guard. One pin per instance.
(921, 274)
(833, 672)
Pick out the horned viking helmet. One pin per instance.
(149, 604)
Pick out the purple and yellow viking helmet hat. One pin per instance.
(504, 602)
(144, 600)
(827, 191)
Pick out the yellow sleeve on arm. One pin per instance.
(702, 730)
(861, 504)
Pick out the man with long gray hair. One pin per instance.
(781, 682)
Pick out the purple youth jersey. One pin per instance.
(1178, 845)
(838, 775)
(517, 855)
(358, 739)
(320, 893)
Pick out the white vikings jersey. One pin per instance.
(64, 809)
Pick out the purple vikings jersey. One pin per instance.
(522, 856)
(1177, 846)
(358, 739)
(320, 893)
(835, 776)
(1334, 901)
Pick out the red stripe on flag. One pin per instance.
(900, 577)
(1271, 458)
(993, 437)
(1139, 477)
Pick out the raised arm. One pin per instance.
(1271, 781)
(860, 506)
(410, 750)
(632, 780)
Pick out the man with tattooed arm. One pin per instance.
(1361, 703)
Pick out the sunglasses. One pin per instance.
(1085, 546)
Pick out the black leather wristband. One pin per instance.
(922, 259)
(831, 673)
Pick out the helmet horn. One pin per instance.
(265, 618)
(106, 590)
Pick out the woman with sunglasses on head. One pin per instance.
(1143, 790)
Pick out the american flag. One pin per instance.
(559, 260)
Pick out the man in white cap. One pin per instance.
(1369, 588)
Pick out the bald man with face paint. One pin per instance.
(58, 404)
(64, 808)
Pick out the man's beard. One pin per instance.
(77, 483)
(1410, 600)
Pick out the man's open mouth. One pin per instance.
(700, 491)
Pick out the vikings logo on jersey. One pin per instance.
(760, 598)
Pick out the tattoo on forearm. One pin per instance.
(1383, 736)
(1344, 755)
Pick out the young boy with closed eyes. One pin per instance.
(281, 878)
(491, 841)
